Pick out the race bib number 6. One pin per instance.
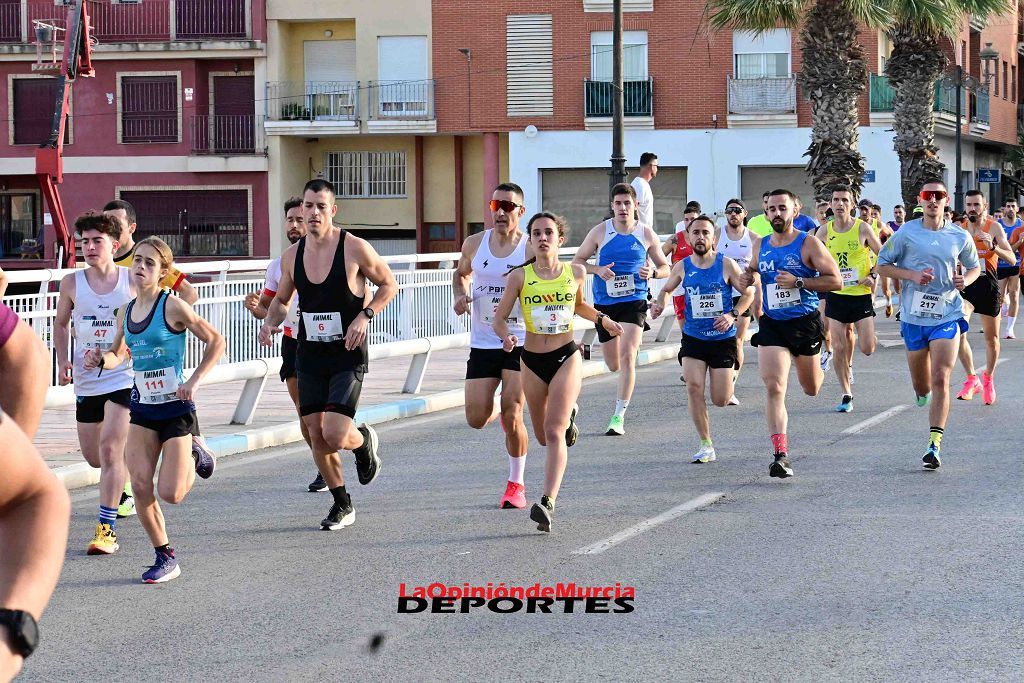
(323, 327)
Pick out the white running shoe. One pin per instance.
(733, 401)
(706, 454)
(826, 360)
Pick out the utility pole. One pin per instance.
(958, 192)
(618, 170)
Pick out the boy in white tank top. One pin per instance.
(89, 299)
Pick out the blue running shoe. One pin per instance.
(931, 458)
(164, 569)
(205, 462)
(846, 406)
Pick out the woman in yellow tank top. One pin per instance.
(550, 294)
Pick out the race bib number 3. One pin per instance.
(552, 319)
(782, 297)
(157, 386)
(620, 285)
(96, 334)
(926, 305)
(323, 327)
(706, 305)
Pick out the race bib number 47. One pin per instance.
(96, 334)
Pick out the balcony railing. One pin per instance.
(409, 100)
(762, 95)
(312, 101)
(227, 134)
(637, 96)
(980, 107)
(148, 21)
(883, 94)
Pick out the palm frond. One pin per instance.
(755, 15)
(944, 17)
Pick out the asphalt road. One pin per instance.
(861, 567)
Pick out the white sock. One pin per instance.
(1010, 320)
(620, 407)
(516, 468)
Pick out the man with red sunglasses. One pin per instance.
(487, 257)
(927, 255)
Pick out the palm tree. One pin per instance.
(918, 33)
(833, 77)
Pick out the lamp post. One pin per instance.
(468, 54)
(618, 170)
(990, 56)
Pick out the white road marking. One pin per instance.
(872, 421)
(648, 524)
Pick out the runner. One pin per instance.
(91, 298)
(802, 221)
(329, 268)
(871, 214)
(151, 330)
(924, 254)
(794, 267)
(487, 258)
(736, 242)
(621, 272)
(899, 217)
(710, 331)
(549, 293)
(852, 243)
(1009, 271)
(642, 185)
(760, 225)
(899, 214)
(677, 248)
(258, 302)
(821, 214)
(982, 296)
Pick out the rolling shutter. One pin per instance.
(530, 73)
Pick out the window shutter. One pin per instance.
(627, 5)
(530, 74)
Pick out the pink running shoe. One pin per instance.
(988, 388)
(515, 496)
(972, 385)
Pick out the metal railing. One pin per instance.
(312, 101)
(227, 134)
(882, 95)
(133, 22)
(980, 107)
(762, 95)
(637, 96)
(419, 320)
(410, 100)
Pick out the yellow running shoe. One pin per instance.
(104, 542)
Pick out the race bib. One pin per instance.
(96, 334)
(552, 319)
(323, 327)
(926, 305)
(620, 285)
(849, 276)
(489, 308)
(706, 305)
(782, 297)
(157, 386)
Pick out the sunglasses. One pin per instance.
(504, 204)
(734, 209)
(933, 195)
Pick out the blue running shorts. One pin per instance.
(917, 337)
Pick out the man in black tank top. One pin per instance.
(329, 268)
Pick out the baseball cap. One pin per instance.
(918, 211)
(865, 202)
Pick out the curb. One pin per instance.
(82, 474)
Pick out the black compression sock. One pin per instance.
(340, 495)
(165, 549)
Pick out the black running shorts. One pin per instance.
(335, 392)
(547, 364)
(983, 295)
(171, 427)
(716, 353)
(845, 308)
(289, 347)
(90, 409)
(625, 313)
(1003, 272)
(490, 363)
(802, 336)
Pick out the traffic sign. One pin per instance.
(988, 175)
(869, 176)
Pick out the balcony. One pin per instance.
(226, 142)
(312, 107)
(882, 95)
(401, 107)
(637, 105)
(980, 111)
(767, 102)
(150, 21)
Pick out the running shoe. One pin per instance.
(845, 406)
(733, 401)
(515, 496)
(164, 569)
(542, 513)
(318, 484)
(104, 542)
(616, 426)
(571, 434)
(205, 462)
(922, 401)
(988, 388)
(126, 508)
(706, 454)
(338, 517)
(367, 461)
(826, 360)
(1010, 335)
(931, 458)
(972, 385)
(781, 467)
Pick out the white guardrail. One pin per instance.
(419, 321)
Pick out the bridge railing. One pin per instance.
(418, 322)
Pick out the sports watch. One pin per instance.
(799, 283)
(735, 313)
(23, 631)
(369, 312)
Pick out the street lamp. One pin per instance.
(989, 55)
(468, 54)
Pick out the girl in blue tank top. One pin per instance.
(708, 296)
(626, 253)
(785, 303)
(151, 331)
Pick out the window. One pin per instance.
(1013, 82)
(18, 222)
(195, 222)
(634, 56)
(403, 88)
(761, 56)
(1006, 81)
(474, 228)
(440, 232)
(149, 109)
(366, 174)
(33, 105)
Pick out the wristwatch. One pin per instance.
(369, 313)
(600, 317)
(23, 631)
(799, 283)
(735, 313)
